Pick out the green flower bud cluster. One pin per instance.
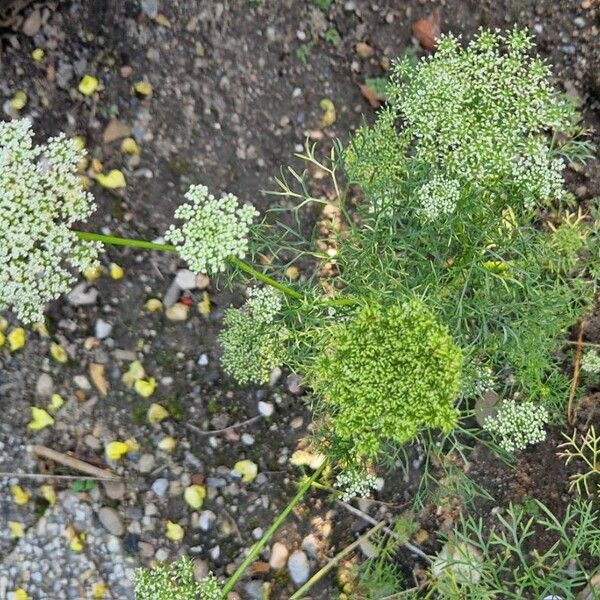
(175, 581)
(480, 114)
(252, 341)
(213, 230)
(384, 375)
(40, 199)
(355, 483)
(518, 424)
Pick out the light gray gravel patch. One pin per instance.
(46, 567)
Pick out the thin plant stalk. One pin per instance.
(233, 260)
(242, 265)
(334, 562)
(266, 537)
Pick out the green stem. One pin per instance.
(264, 540)
(119, 241)
(233, 260)
(250, 270)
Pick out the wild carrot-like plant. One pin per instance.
(451, 267)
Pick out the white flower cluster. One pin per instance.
(263, 304)
(438, 197)
(590, 363)
(251, 338)
(518, 425)
(175, 581)
(355, 483)
(213, 230)
(40, 199)
(480, 115)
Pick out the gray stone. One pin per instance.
(298, 567)
(102, 329)
(150, 8)
(265, 408)
(82, 295)
(159, 487)
(185, 279)
(146, 463)
(111, 520)
(44, 386)
(207, 520)
(115, 490)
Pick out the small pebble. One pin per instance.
(298, 567)
(160, 486)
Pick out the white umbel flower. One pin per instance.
(590, 363)
(40, 199)
(355, 483)
(213, 230)
(438, 197)
(518, 425)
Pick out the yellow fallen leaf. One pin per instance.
(79, 142)
(204, 306)
(2, 339)
(143, 88)
(329, 116)
(88, 85)
(194, 495)
(167, 444)
(157, 413)
(39, 419)
(175, 531)
(98, 591)
(116, 271)
(48, 493)
(37, 54)
(76, 544)
(56, 402)
(93, 273)
(129, 146)
(16, 339)
(97, 375)
(162, 20)
(59, 354)
(302, 458)
(20, 496)
(17, 530)
(145, 387)
(19, 100)
(116, 450)
(113, 180)
(154, 305)
(21, 594)
(247, 469)
(41, 329)
(136, 371)
(132, 445)
(3, 324)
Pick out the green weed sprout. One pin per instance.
(584, 449)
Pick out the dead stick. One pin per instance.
(334, 562)
(369, 519)
(217, 431)
(576, 371)
(10, 475)
(74, 463)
